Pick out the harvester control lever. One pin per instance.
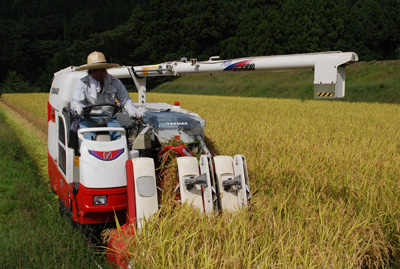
(237, 181)
(199, 180)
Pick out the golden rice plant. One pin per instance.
(324, 179)
(332, 165)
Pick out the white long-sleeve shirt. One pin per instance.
(87, 91)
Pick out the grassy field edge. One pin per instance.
(33, 233)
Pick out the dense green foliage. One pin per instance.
(365, 82)
(44, 36)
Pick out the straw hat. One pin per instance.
(96, 60)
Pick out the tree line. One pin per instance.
(42, 37)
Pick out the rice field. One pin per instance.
(324, 178)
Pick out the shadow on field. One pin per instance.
(91, 232)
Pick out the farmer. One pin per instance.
(99, 87)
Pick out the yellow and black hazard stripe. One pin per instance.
(325, 94)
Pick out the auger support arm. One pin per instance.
(329, 68)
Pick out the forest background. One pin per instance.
(42, 37)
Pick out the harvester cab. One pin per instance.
(91, 177)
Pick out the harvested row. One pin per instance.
(324, 177)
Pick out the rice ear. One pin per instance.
(117, 222)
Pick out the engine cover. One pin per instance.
(169, 124)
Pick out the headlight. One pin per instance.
(100, 199)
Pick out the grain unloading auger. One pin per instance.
(91, 176)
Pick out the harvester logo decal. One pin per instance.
(177, 123)
(241, 66)
(106, 155)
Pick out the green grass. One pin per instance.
(33, 235)
(365, 82)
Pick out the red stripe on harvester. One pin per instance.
(130, 189)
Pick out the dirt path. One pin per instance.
(20, 114)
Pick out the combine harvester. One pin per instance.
(96, 180)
